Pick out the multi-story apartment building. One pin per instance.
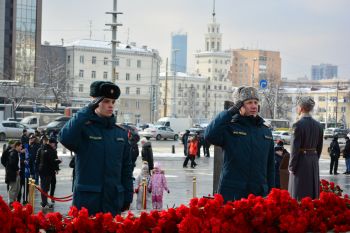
(193, 95)
(20, 40)
(137, 76)
(248, 67)
(324, 71)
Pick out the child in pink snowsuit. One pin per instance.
(156, 186)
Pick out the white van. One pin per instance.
(176, 124)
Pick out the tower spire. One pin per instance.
(213, 11)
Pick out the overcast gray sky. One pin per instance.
(306, 32)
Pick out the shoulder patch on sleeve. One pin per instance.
(267, 124)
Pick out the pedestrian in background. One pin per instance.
(346, 154)
(147, 153)
(334, 152)
(157, 185)
(306, 148)
(248, 148)
(53, 142)
(278, 160)
(5, 156)
(193, 150)
(12, 172)
(139, 190)
(185, 141)
(103, 167)
(47, 165)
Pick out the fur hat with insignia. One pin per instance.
(307, 103)
(246, 93)
(106, 89)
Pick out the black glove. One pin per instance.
(126, 206)
(235, 108)
(94, 104)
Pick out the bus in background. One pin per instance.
(278, 124)
(332, 125)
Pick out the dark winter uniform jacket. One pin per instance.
(12, 167)
(248, 149)
(33, 150)
(147, 154)
(47, 161)
(103, 167)
(334, 149)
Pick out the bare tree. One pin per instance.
(52, 77)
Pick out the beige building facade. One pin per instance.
(248, 67)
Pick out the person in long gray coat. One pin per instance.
(306, 148)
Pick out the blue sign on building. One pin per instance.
(263, 83)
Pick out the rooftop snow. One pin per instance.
(106, 45)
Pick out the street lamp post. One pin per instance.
(174, 51)
(253, 79)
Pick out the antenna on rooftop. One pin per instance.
(213, 11)
(90, 23)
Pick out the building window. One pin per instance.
(93, 74)
(93, 60)
(68, 73)
(116, 75)
(82, 59)
(209, 61)
(105, 75)
(127, 90)
(137, 104)
(68, 59)
(81, 73)
(179, 103)
(343, 109)
(138, 77)
(209, 70)
(138, 63)
(127, 76)
(81, 88)
(138, 91)
(105, 61)
(117, 62)
(128, 62)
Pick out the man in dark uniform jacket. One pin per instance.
(103, 168)
(334, 152)
(248, 166)
(306, 148)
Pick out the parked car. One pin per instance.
(18, 119)
(54, 126)
(332, 132)
(12, 129)
(144, 126)
(159, 132)
(284, 136)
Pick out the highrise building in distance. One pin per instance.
(324, 71)
(179, 52)
(20, 39)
